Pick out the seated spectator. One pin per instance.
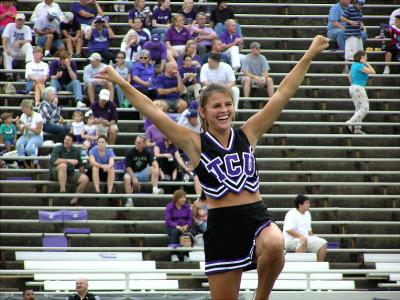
(16, 41)
(158, 52)
(178, 220)
(392, 19)
(28, 294)
(200, 214)
(219, 15)
(255, 69)
(36, 74)
(190, 120)
(8, 132)
(216, 71)
(64, 77)
(203, 34)
(190, 77)
(170, 87)
(71, 34)
(142, 12)
(297, 230)
(131, 47)
(77, 126)
(161, 105)
(64, 160)
(143, 73)
(31, 127)
(168, 158)
(124, 71)
(89, 133)
(232, 42)
(42, 9)
(7, 14)
(394, 46)
(82, 292)
(120, 7)
(161, 18)
(85, 11)
(47, 30)
(143, 33)
(106, 117)
(93, 85)
(53, 123)
(99, 36)
(176, 37)
(188, 12)
(101, 168)
(216, 48)
(140, 167)
(190, 49)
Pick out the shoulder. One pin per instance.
(170, 205)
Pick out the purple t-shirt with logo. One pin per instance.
(143, 72)
(177, 38)
(227, 38)
(158, 51)
(99, 40)
(162, 16)
(189, 17)
(77, 7)
(164, 82)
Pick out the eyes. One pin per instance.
(227, 104)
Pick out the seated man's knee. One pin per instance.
(127, 177)
(83, 179)
(62, 167)
(246, 80)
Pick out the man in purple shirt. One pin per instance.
(99, 35)
(85, 11)
(158, 51)
(202, 34)
(106, 117)
(232, 42)
(170, 87)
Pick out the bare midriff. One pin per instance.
(232, 199)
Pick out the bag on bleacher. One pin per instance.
(185, 240)
(9, 89)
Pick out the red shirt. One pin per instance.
(8, 19)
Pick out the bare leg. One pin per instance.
(110, 87)
(83, 182)
(96, 179)
(197, 185)
(270, 86)
(112, 135)
(225, 285)
(246, 86)
(154, 175)
(78, 46)
(62, 176)
(127, 184)
(270, 259)
(322, 253)
(90, 92)
(110, 180)
(68, 44)
(49, 41)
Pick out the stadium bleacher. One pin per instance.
(352, 181)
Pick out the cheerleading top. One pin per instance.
(232, 169)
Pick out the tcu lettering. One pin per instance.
(233, 168)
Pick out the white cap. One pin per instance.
(95, 56)
(68, 16)
(53, 11)
(19, 16)
(104, 94)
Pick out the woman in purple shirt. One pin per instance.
(178, 220)
(139, 10)
(176, 37)
(161, 18)
(188, 12)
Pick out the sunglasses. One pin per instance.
(144, 57)
(120, 57)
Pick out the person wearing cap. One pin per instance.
(85, 12)
(7, 14)
(158, 52)
(143, 74)
(232, 42)
(161, 18)
(47, 30)
(176, 37)
(143, 33)
(203, 34)
(16, 41)
(64, 76)
(71, 33)
(393, 15)
(216, 71)
(216, 48)
(93, 85)
(352, 16)
(219, 15)
(336, 26)
(255, 69)
(42, 8)
(191, 120)
(170, 87)
(99, 35)
(105, 116)
(394, 46)
(190, 75)
(36, 74)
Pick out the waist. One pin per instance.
(232, 199)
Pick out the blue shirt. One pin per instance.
(358, 77)
(143, 72)
(143, 37)
(227, 38)
(334, 15)
(104, 160)
(352, 14)
(165, 82)
(99, 40)
(77, 7)
(162, 16)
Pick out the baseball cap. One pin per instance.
(155, 38)
(99, 19)
(397, 16)
(193, 105)
(68, 16)
(53, 12)
(89, 113)
(192, 114)
(360, 1)
(104, 94)
(20, 16)
(95, 56)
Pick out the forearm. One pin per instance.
(163, 92)
(71, 73)
(294, 233)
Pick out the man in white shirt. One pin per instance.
(216, 71)
(297, 231)
(16, 40)
(43, 7)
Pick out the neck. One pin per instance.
(221, 135)
(301, 211)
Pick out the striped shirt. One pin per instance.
(352, 14)
(334, 15)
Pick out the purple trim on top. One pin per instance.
(225, 261)
(215, 141)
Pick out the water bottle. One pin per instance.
(126, 103)
(382, 36)
(186, 177)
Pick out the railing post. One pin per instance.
(308, 281)
(126, 282)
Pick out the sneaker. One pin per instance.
(186, 258)
(157, 190)
(358, 131)
(80, 104)
(129, 202)
(174, 258)
(346, 70)
(386, 70)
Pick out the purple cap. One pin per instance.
(155, 38)
(192, 114)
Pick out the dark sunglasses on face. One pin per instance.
(144, 57)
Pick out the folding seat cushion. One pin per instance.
(75, 215)
(51, 216)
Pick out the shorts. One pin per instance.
(41, 42)
(10, 142)
(254, 83)
(393, 49)
(72, 178)
(353, 44)
(102, 175)
(103, 130)
(314, 243)
(172, 104)
(230, 238)
(143, 175)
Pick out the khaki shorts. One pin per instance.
(103, 130)
(314, 243)
(353, 44)
(72, 178)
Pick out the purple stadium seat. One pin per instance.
(50, 216)
(77, 231)
(55, 241)
(71, 215)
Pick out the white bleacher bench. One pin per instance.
(392, 267)
(252, 275)
(90, 265)
(308, 267)
(382, 257)
(98, 276)
(302, 257)
(394, 277)
(77, 256)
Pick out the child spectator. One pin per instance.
(7, 14)
(200, 214)
(77, 126)
(99, 35)
(125, 72)
(353, 19)
(36, 74)
(89, 133)
(394, 46)
(71, 33)
(190, 77)
(161, 18)
(8, 132)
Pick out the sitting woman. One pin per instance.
(188, 12)
(53, 123)
(161, 18)
(176, 37)
(102, 164)
(36, 74)
(30, 125)
(191, 50)
(190, 77)
(178, 219)
(130, 45)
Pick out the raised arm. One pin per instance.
(263, 120)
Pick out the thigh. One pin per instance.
(41, 40)
(314, 243)
(143, 175)
(73, 178)
(269, 236)
(225, 285)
